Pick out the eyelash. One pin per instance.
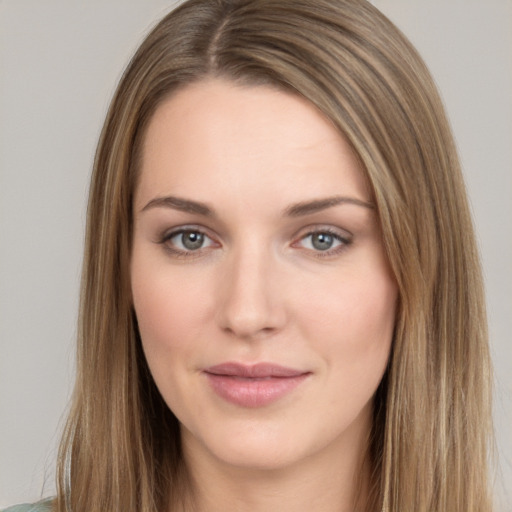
(180, 253)
(344, 242)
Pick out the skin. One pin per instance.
(259, 289)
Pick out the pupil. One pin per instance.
(322, 241)
(192, 240)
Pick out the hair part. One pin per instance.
(430, 438)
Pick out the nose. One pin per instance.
(251, 304)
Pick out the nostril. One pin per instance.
(247, 319)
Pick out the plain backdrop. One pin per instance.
(59, 63)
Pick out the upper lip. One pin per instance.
(259, 370)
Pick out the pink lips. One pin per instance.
(255, 385)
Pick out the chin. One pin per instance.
(250, 447)
(271, 457)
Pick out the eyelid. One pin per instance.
(168, 234)
(343, 236)
(324, 228)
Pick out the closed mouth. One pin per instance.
(255, 385)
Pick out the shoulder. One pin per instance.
(41, 506)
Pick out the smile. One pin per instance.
(253, 386)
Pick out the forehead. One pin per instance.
(215, 135)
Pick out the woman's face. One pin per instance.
(264, 299)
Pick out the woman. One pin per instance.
(282, 304)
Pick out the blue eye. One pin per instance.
(187, 240)
(323, 241)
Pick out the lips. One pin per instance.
(253, 385)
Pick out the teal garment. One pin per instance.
(41, 506)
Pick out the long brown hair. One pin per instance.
(429, 444)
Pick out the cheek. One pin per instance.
(171, 309)
(352, 323)
(170, 314)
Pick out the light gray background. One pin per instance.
(59, 62)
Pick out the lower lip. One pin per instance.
(253, 392)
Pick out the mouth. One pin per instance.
(253, 385)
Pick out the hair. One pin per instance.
(431, 430)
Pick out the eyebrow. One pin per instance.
(178, 203)
(317, 205)
(295, 210)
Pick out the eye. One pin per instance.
(324, 241)
(186, 241)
